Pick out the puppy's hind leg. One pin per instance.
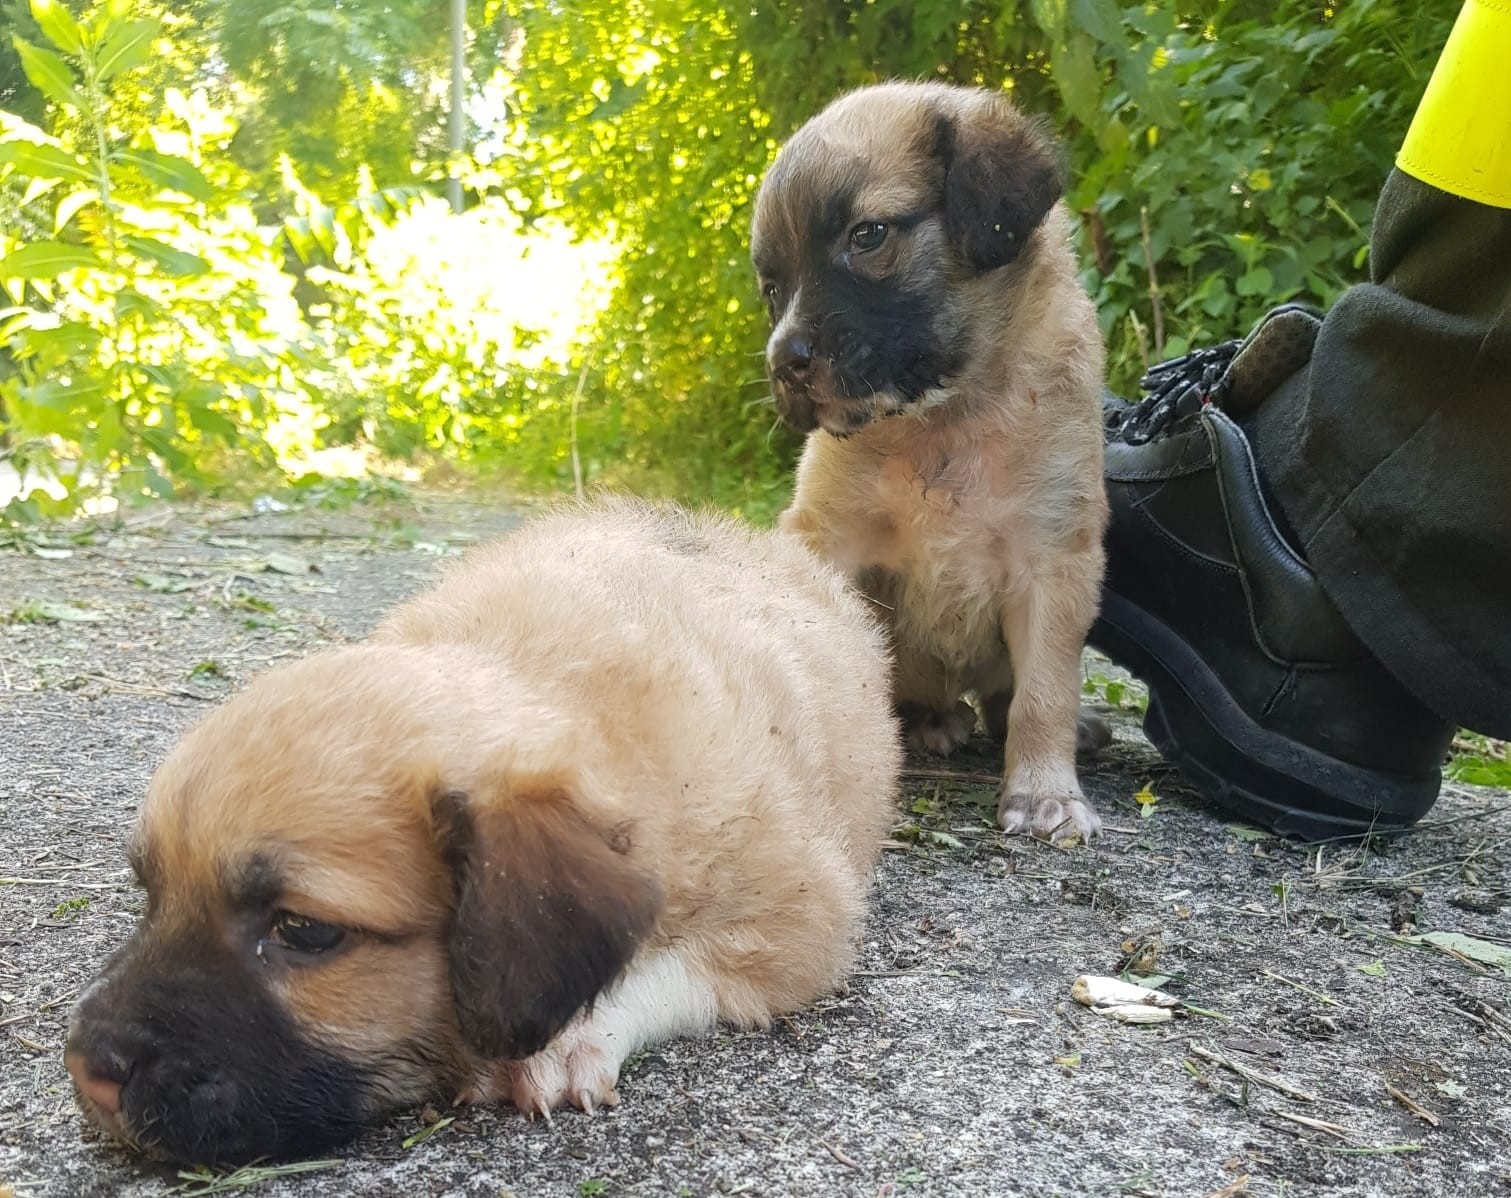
(935, 719)
(659, 996)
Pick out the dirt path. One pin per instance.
(956, 1063)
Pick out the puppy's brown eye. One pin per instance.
(305, 935)
(867, 236)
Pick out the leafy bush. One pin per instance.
(1226, 155)
(448, 333)
(150, 325)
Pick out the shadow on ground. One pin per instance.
(1336, 1055)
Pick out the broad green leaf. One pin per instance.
(130, 302)
(53, 612)
(1472, 947)
(47, 260)
(168, 171)
(14, 320)
(40, 160)
(69, 206)
(1100, 18)
(218, 424)
(174, 262)
(1075, 71)
(126, 48)
(48, 73)
(57, 23)
(71, 339)
(1050, 16)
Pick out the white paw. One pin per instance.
(938, 732)
(579, 1067)
(1047, 816)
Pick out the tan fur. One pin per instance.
(974, 517)
(659, 716)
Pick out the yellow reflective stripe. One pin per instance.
(1460, 138)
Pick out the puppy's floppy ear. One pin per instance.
(549, 911)
(1003, 173)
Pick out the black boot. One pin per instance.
(1259, 691)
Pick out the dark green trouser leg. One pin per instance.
(1391, 455)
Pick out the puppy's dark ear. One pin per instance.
(1003, 173)
(549, 911)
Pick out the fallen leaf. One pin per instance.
(161, 584)
(1470, 946)
(1375, 969)
(55, 613)
(286, 563)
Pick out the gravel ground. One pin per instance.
(1333, 1055)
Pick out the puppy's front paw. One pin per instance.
(1047, 816)
(579, 1067)
(937, 732)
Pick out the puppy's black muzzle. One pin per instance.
(180, 1050)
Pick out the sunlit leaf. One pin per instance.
(47, 260)
(57, 23)
(167, 171)
(126, 48)
(48, 73)
(175, 262)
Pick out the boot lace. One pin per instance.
(1176, 388)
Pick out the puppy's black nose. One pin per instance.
(792, 360)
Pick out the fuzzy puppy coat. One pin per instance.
(929, 333)
(620, 775)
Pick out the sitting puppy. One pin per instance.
(929, 331)
(620, 775)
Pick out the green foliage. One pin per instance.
(186, 299)
(446, 334)
(1225, 157)
(1480, 761)
(148, 319)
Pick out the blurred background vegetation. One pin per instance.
(224, 256)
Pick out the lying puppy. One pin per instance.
(620, 775)
(929, 332)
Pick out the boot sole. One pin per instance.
(1239, 764)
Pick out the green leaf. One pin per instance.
(57, 23)
(53, 612)
(1075, 72)
(130, 302)
(179, 263)
(1472, 947)
(37, 160)
(1375, 969)
(167, 171)
(71, 339)
(126, 49)
(1258, 281)
(1050, 16)
(48, 73)
(1100, 18)
(47, 260)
